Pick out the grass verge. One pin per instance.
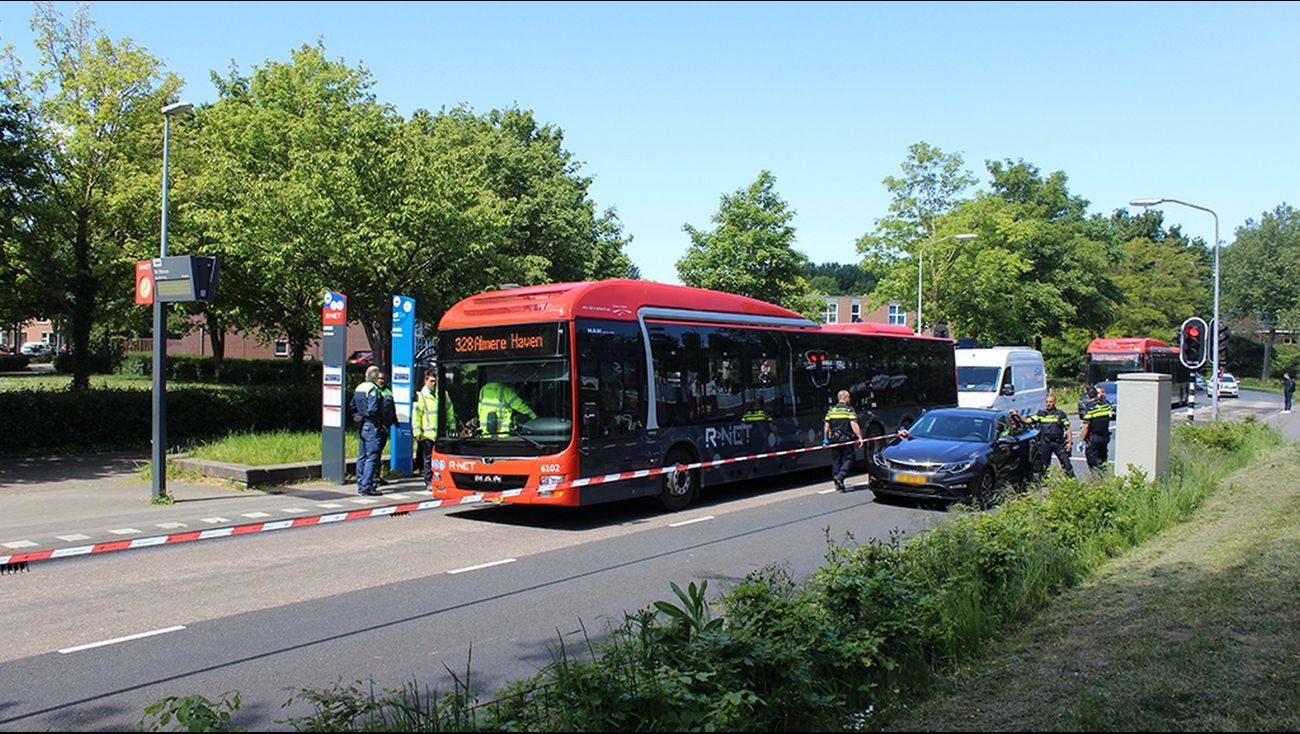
(1199, 630)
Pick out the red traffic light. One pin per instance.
(1192, 331)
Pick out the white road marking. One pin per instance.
(171, 525)
(292, 510)
(74, 537)
(396, 496)
(329, 505)
(832, 490)
(691, 522)
(19, 544)
(215, 520)
(255, 515)
(116, 640)
(125, 531)
(483, 565)
(363, 501)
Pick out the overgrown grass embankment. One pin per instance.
(867, 636)
(1198, 630)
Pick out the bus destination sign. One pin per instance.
(524, 340)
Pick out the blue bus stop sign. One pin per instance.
(400, 436)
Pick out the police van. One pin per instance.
(1002, 378)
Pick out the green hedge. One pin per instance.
(13, 362)
(187, 368)
(35, 422)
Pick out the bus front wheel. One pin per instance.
(678, 487)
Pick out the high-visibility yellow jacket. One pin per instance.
(424, 416)
(497, 405)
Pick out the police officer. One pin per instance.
(425, 423)
(368, 409)
(1055, 435)
(840, 426)
(1097, 416)
(497, 405)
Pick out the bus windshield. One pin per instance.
(519, 408)
(509, 388)
(1107, 367)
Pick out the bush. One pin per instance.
(64, 421)
(13, 362)
(190, 368)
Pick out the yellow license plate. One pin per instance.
(905, 478)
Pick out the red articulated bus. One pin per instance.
(1107, 359)
(557, 383)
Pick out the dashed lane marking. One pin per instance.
(482, 566)
(128, 638)
(691, 521)
(126, 531)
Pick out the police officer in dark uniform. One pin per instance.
(1055, 435)
(1097, 416)
(840, 426)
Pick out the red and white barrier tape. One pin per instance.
(262, 527)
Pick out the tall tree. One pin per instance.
(20, 206)
(750, 250)
(1260, 274)
(1163, 276)
(96, 104)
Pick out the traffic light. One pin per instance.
(1191, 343)
(1222, 333)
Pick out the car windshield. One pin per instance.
(953, 427)
(977, 379)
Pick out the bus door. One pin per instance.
(612, 407)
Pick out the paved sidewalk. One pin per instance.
(69, 502)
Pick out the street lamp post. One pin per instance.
(159, 453)
(920, 259)
(1147, 203)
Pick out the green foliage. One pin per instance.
(841, 279)
(190, 368)
(191, 713)
(59, 421)
(1261, 269)
(750, 252)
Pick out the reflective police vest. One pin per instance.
(1053, 422)
(841, 417)
(497, 404)
(368, 404)
(424, 418)
(1098, 416)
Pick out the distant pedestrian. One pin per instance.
(1288, 389)
(367, 408)
(1096, 430)
(1055, 436)
(388, 416)
(839, 427)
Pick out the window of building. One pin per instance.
(897, 315)
(832, 313)
(282, 347)
(857, 311)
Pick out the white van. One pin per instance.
(1002, 378)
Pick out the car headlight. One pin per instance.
(956, 467)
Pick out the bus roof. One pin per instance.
(607, 299)
(1127, 345)
(887, 329)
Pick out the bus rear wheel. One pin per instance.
(678, 488)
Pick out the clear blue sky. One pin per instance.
(670, 106)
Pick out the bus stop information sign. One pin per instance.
(333, 411)
(400, 459)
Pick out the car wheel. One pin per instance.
(986, 490)
(678, 488)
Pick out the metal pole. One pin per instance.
(1218, 325)
(159, 457)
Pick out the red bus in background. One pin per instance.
(626, 374)
(1106, 359)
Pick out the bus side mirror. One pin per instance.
(1008, 390)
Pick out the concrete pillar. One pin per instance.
(1143, 423)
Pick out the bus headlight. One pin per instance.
(548, 483)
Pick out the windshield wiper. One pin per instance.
(514, 431)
